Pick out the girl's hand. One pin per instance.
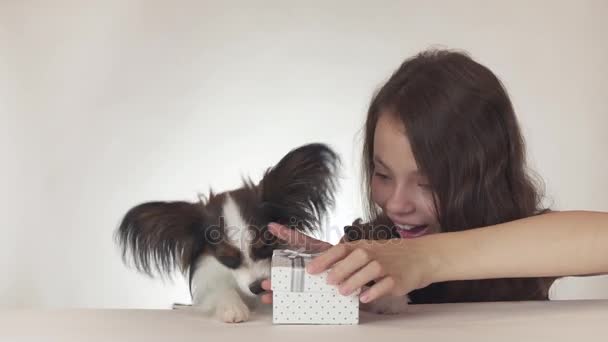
(398, 266)
(294, 240)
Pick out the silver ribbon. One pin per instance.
(297, 267)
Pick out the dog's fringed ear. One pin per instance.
(300, 189)
(162, 236)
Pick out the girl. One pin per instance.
(443, 153)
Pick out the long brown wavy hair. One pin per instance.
(466, 139)
(464, 136)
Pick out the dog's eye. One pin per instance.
(264, 251)
(230, 261)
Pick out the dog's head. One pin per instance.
(232, 226)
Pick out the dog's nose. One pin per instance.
(256, 287)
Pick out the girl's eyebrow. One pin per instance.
(379, 161)
(383, 164)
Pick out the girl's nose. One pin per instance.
(400, 205)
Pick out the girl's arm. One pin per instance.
(553, 244)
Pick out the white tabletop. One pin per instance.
(523, 321)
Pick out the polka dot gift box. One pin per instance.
(302, 298)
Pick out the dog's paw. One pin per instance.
(232, 312)
(387, 305)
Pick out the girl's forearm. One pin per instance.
(553, 244)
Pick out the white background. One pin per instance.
(108, 103)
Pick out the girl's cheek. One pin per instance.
(379, 193)
(429, 204)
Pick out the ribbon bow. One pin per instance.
(297, 267)
(293, 254)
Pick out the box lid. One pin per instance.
(288, 273)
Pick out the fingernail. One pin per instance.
(330, 280)
(345, 291)
(364, 297)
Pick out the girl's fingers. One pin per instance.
(382, 287)
(354, 261)
(266, 298)
(297, 240)
(266, 284)
(328, 258)
(369, 272)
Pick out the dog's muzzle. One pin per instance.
(256, 287)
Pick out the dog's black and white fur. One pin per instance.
(221, 242)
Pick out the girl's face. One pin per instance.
(397, 186)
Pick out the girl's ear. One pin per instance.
(299, 190)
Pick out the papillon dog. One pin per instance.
(221, 243)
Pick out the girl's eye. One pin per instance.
(380, 175)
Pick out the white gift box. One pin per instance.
(302, 298)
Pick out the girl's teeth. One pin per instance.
(405, 227)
